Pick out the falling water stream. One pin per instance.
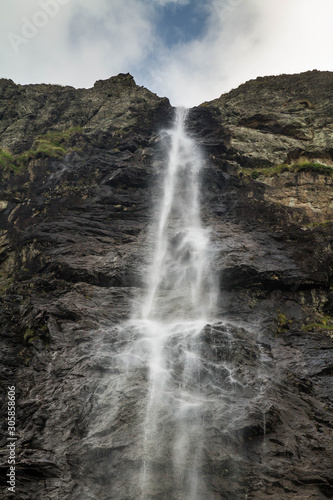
(180, 284)
(173, 414)
(179, 301)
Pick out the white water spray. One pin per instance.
(182, 387)
(180, 283)
(179, 301)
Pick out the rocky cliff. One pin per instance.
(80, 172)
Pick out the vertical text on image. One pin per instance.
(11, 438)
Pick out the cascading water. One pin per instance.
(171, 419)
(178, 303)
(180, 284)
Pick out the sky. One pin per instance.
(190, 51)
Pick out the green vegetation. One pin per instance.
(40, 333)
(255, 174)
(283, 323)
(50, 145)
(6, 160)
(29, 335)
(325, 323)
(316, 168)
(320, 323)
(319, 224)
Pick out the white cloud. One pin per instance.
(247, 39)
(88, 40)
(84, 41)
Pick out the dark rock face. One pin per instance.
(74, 247)
(278, 119)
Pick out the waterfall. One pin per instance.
(179, 301)
(180, 284)
(181, 386)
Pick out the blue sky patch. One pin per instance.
(181, 23)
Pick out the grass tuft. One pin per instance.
(315, 168)
(53, 144)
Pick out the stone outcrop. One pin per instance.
(80, 172)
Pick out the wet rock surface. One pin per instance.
(74, 246)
